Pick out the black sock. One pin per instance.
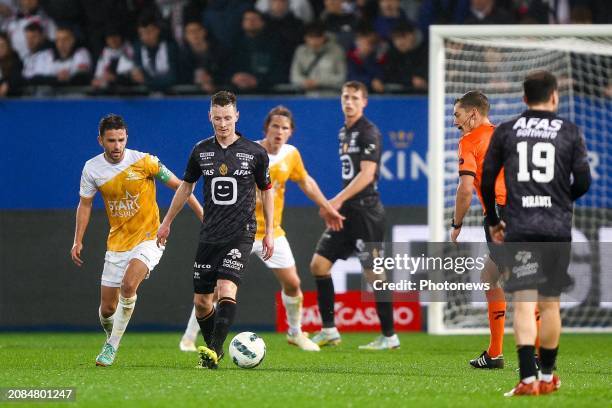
(325, 298)
(384, 309)
(548, 358)
(226, 311)
(527, 362)
(207, 324)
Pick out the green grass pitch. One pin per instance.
(150, 371)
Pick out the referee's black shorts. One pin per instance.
(496, 252)
(364, 223)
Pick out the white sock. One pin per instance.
(106, 322)
(330, 330)
(529, 380)
(191, 332)
(122, 318)
(293, 307)
(547, 377)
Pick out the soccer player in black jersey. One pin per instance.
(359, 201)
(539, 152)
(232, 166)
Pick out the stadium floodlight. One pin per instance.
(495, 60)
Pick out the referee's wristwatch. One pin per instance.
(455, 226)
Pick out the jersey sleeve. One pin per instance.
(467, 159)
(580, 161)
(152, 165)
(262, 171)
(298, 171)
(88, 187)
(369, 141)
(492, 165)
(193, 171)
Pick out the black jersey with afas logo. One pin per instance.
(357, 143)
(230, 175)
(539, 152)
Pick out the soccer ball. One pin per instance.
(247, 350)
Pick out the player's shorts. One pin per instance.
(115, 263)
(364, 223)
(496, 252)
(282, 256)
(538, 262)
(220, 261)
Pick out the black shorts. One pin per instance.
(364, 223)
(220, 261)
(496, 251)
(538, 262)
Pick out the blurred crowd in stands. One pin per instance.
(134, 47)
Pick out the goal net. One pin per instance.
(495, 60)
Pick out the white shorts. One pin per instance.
(282, 256)
(115, 263)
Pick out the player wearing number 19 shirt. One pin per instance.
(359, 201)
(232, 167)
(540, 153)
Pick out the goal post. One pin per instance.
(495, 59)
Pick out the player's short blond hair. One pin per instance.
(474, 99)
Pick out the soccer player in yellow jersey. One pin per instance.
(285, 164)
(126, 180)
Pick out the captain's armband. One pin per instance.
(164, 174)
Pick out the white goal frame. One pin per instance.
(435, 156)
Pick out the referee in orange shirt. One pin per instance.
(471, 118)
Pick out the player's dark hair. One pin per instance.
(280, 110)
(474, 99)
(538, 86)
(223, 98)
(357, 86)
(111, 122)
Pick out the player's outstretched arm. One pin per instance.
(83, 214)
(170, 180)
(463, 199)
(267, 200)
(173, 182)
(333, 219)
(181, 196)
(367, 173)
